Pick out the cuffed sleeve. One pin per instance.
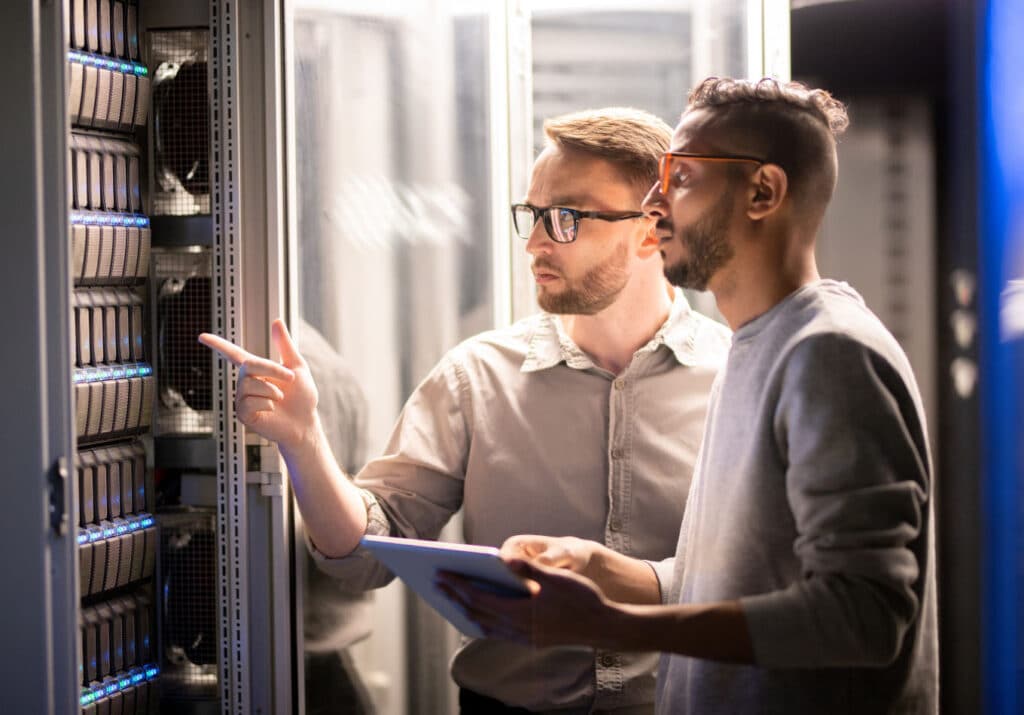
(664, 571)
(360, 571)
(415, 487)
(857, 485)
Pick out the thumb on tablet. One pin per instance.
(528, 572)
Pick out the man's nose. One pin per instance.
(654, 203)
(539, 241)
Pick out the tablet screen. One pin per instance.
(417, 562)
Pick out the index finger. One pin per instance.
(227, 349)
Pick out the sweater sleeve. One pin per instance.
(857, 484)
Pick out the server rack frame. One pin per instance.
(40, 614)
(39, 562)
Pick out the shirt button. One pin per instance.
(619, 384)
(616, 453)
(607, 660)
(614, 524)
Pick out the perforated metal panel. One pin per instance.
(188, 607)
(231, 504)
(181, 283)
(181, 121)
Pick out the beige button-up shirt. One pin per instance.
(521, 430)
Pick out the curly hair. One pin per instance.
(789, 124)
(720, 92)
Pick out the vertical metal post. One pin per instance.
(519, 153)
(232, 552)
(774, 34)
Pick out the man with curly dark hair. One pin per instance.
(804, 577)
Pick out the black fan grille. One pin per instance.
(181, 122)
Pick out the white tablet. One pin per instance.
(417, 562)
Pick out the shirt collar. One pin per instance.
(549, 344)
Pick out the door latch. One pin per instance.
(58, 483)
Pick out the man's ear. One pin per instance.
(650, 243)
(769, 186)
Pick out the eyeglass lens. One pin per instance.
(560, 223)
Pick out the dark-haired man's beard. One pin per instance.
(706, 247)
(595, 291)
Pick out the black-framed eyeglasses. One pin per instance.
(667, 159)
(561, 222)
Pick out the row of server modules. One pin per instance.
(108, 326)
(117, 639)
(104, 175)
(114, 386)
(117, 537)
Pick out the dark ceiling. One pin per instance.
(872, 46)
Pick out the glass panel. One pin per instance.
(645, 55)
(648, 55)
(394, 258)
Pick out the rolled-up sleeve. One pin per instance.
(664, 571)
(857, 483)
(413, 489)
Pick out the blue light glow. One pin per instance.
(151, 672)
(98, 218)
(84, 58)
(122, 529)
(134, 525)
(107, 533)
(83, 538)
(148, 521)
(95, 535)
(98, 374)
(138, 678)
(1000, 198)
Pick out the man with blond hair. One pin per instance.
(804, 578)
(555, 425)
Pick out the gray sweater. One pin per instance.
(811, 503)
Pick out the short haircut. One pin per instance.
(630, 139)
(788, 124)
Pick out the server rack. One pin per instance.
(114, 573)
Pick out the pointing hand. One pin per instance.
(276, 400)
